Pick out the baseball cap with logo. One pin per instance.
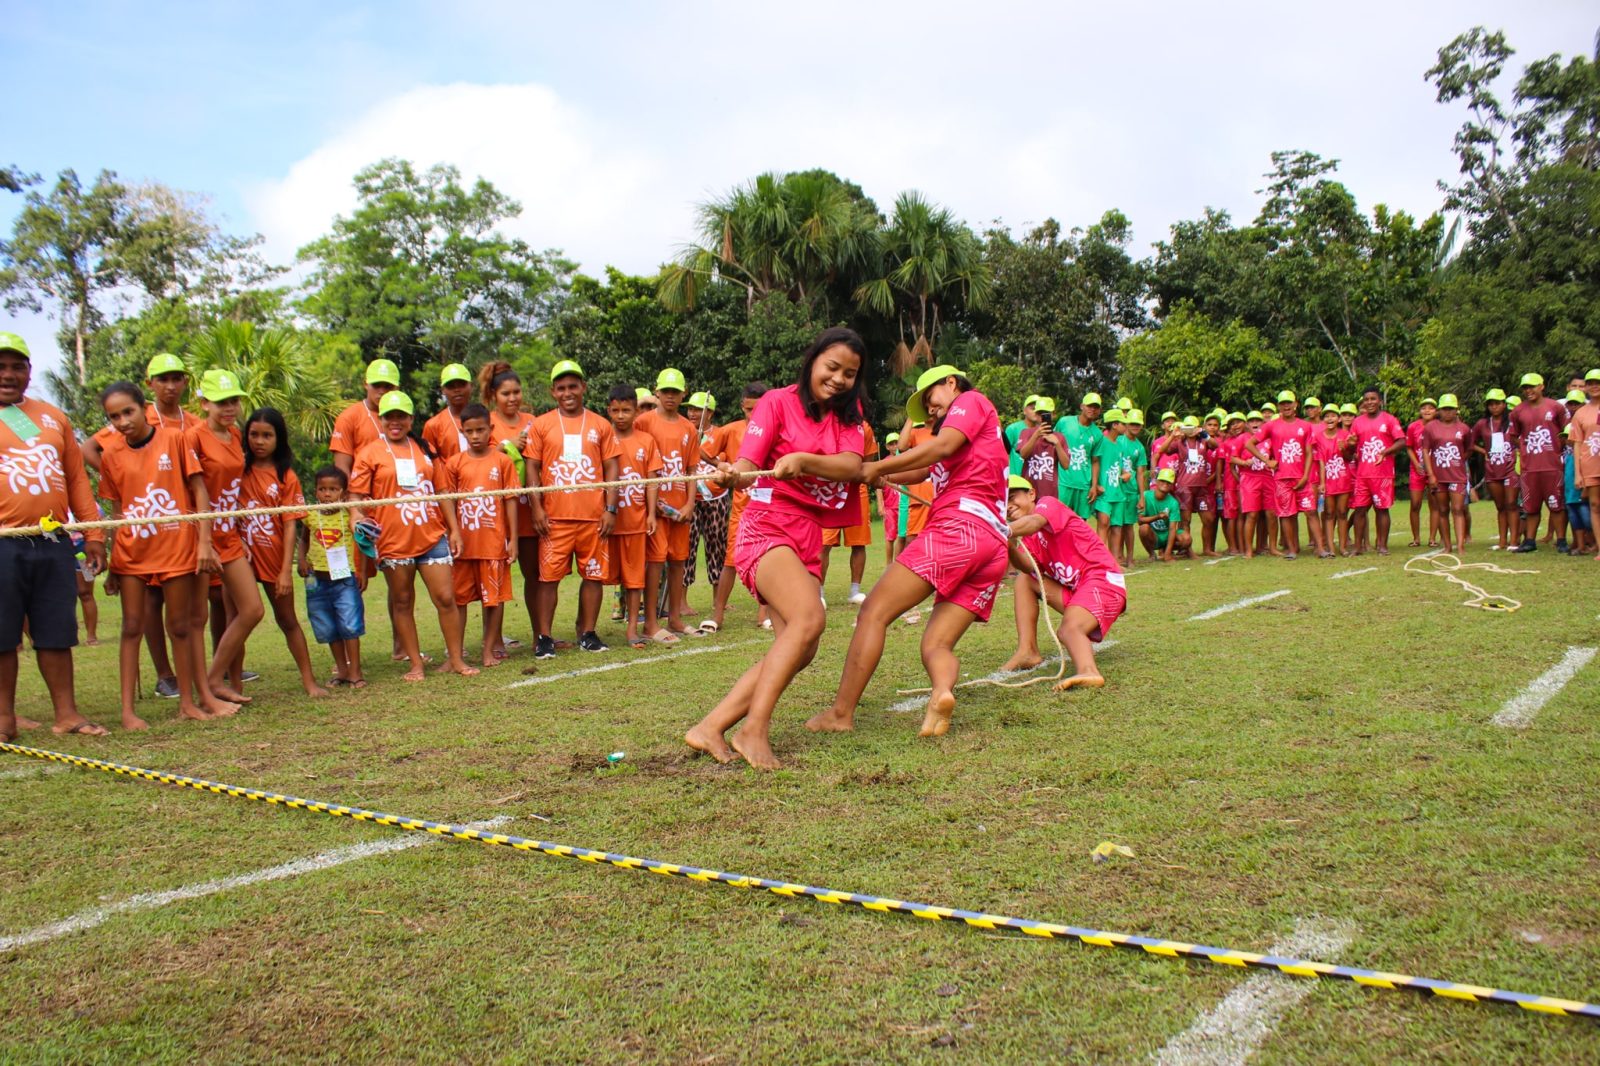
(1091, 400)
(219, 385)
(165, 363)
(1529, 380)
(1169, 414)
(1190, 422)
(1593, 375)
(11, 342)
(1577, 396)
(1113, 415)
(1044, 403)
(917, 406)
(383, 372)
(1349, 409)
(1428, 401)
(1125, 403)
(565, 367)
(1135, 416)
(891, 438)
(1495, 394)
(1286, 396)
(671, 378)
(1448, 400)
(697, 399)
(1312, 401)
(454, 372)
(1016, 483)
(396, 401)
(1167, 476)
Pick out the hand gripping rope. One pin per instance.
(1447, 566)
(974, 919)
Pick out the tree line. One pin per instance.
(1316, 292)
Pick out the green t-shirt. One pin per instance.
(1135, 457)
(1111, 471)
(1013, 434)
(1166, 509)
(1084, 445)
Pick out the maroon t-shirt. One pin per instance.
(1501, 460)
(1540, 427)
(1447, 444)
(1039, 461)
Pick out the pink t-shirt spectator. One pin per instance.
(1540, 428)
(1163, 460)
(1226, 451)
(1336, 472)
(1447, 444)
(1288, 440)
(1374, 435)
(778, 427)
(970, 486)
(1068, 550)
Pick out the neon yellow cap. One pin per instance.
(1286, 396)
(1091, 400)
(1016, 481)
(219, 385)
(1532, 379)
(1577, 396)
(11, 342)
(396, 401)
(916, 406)
(1044, 403)
(1448, 400)
(383, 372)
(454, 372)
(1135, 416)
(671, 378)
(165, 363)
(1167, 476)
(565, 367)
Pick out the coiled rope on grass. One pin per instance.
(1449, 566)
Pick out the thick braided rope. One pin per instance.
(1446, 566)
(345, 505)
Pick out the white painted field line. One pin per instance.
(1519, 710)
(147, 901)
(1220, 559)
(32, 771)
(918, 702)
(1352, 573)
(1248, 601)
(701, 649)
(1233, 1030)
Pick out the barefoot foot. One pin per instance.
(460, 667)
(936, 722)
(78, 725)
(26, 723)
(317, 692)
(1081, 681)
(831, 721)
(756, 750)
(1022, 660)
(414, 674)
(133, 723)
(710, 742)
(196, 714)
(227, 692)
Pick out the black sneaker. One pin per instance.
(167, 688)
(1561, 547)
(1525, 547)
(544, 648)
(591, 641)
(249, 676)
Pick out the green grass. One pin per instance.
(1326, 753)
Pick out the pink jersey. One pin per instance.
(778, 427)
(1068, 550)
(1227, 449)
(1375, 434)
(1288, 440)
(1447, 445)
(1163, 460)
(1414, 443)
(1337, 474)
(970, 486)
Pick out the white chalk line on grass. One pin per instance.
(1220, 559)
(918, 702)
(1248, 601)
(31, 771)
(1352, 573)
(1519, 710)
(701, 649)
(147, 901)
(1229, 1033)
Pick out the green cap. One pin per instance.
(641, 394)
(565, 367)
(165, 363)
(1428, 401)
(1255, 416)
(1168, 476)
(1577, 396)
(891, 438)
(671, 378)
(219, 385)
(1286, 396)
(1349, 409)
(1033, 397)
(1114, 415)
(697, 399)
(1235, 416)
(1126, 403)
(1312, 401)
(1044, 403)
(1169, 414)
(1495, 394)
(454, 372)
(1190, 422)
(11, 342)
(383, 372)
(1017, 481)
(916, 406)
(1135, 416)
(1593, 375)
(1218, 413)
(1447, 400)
(1513, 401)
(1091, 400)
(1532, 379)
(396, 401)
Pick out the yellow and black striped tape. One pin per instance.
(976, 919)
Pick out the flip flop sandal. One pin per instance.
(708, 627)
(661, 636)
(88, 729)
(340, 682)
(639, 643)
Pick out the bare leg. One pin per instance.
(945, 625)
(402, 609)
(528, 561)
(187, 600)
(491, 632)
(91, 610)
(155, 632)
(677, 594)
(134, 592)
(1380, 530)
(590, 595)
(1076, 625)
(437, 579)
(1025, 604)
(240, 583)
(289, 624)
(545, 607)
(896, 592)
(719, 602)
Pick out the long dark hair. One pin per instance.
(282, 454)
(962, 385)
(1505, 415)
(849, 406)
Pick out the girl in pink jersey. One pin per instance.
(960, 557)
(1333, 449)
(811, 436)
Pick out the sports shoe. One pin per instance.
(1561, 547)
(544, 648)
(857, 598)
(249, 676)
(591, 641)
(1525, 547)
(167, 688)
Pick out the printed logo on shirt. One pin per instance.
(1080, 457)
(1372, 451)
(259, 529)
(1335, 467)
(631, 495)
(228, 500)
(416, 513)
(1446, 455)
(1064, 575)
(163, 462)
(477, 512)
(1042, 465)
(832, 495)
(1290, 452)
(34, 470)
(1500, 453)
(272, 494)
(1539, 440)
(579, 471)
(594, 435)
(1594, 443)
(755, 430)
(494, 473)
(155, 503)
(49, 421)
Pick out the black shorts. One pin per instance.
(37, 582)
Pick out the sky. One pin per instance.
(610, 122)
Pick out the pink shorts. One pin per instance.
(963, 561)
(1307, 500)
(1416, 481)
(1341, 487)
(1103, 600)
(761, 530)
(1230, 502)
(1373, 491)
(1285, 500)
(1255, 495)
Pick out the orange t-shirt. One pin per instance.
(264, 534)
(407, 529)
(484, 520)
(680, 453)
(356, 427)
(104, 435)
(573, 451)
(146, 482)
(499, 432)
(922, 491)
(711, 446)
(638, 459)
(44, 474)
(222, 464)
(443, 434)
(732, 441)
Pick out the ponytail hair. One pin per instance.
(491, 376)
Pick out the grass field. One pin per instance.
(1325, 755)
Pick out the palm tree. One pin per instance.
(275, 369)
(931, 263)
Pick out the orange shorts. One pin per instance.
(626, 565)
(484, 580)
(157, 580)
(568, 539)
(916, 519)
(229, 545)
(735, 512)
(853, 537)
(669, 543)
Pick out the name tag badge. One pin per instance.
(1194, 455)
(339, 562)
(761, 495)
(461, 441)
(1497, 441)
(18, 422)
(572, 447)
(405, 473)
(1118, 580)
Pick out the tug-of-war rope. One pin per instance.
(1447, 566)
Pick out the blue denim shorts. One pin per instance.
(335, 609)
(436, 555)
(1578, 516)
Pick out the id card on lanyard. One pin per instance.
(338, 563)
(405, 473)
(18, 422)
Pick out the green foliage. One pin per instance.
(274, 367)
(1195, 364)
(1006, 384)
